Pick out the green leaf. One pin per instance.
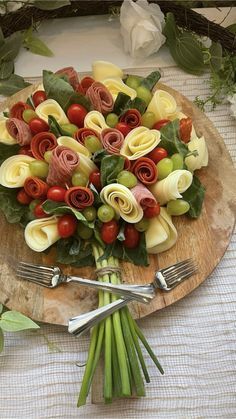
(232, 28)
(195, 196)
(13, 321)
(9, 205)
(60, 90)
(8, 151)
(99, 155)
(51, 5)
(1, 308)
(37, 46)
(123, 102)
(11, 47)
(55, 128)
(111, 166)
(1, 340)
(170, 139)
(12, 85)
(74, 251)
(57, 208)
(170, 29)
(216, 56)
(151, 80)
(6, 69)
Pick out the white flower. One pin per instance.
(141, 27)
(232, 100)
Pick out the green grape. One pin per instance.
(92, 143)
(106, 213)
(84, 232)
(29, 114)
(144, 94)
(177, 207)
(47, 156)
(133, 81)
(90, 213)
(142, 225)
(148, 119)
(79, 179)
(178, 161)
(112, 119)
(39, 168)
(164, 168)
(127, 179)
(69, 128)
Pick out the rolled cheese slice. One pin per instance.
(163, 105)
(96, 121)
(86, 165)
(116, 85)
(42, 233)
(172, 186)
(51, 107)
(196, 162)
(104, 69)
(73, 145)
(139, 142)
(161, 234)
(15, 170)
(5, 137)
(122, 201)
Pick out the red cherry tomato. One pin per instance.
(66, 225)
(185, 128)
(159, 124)
(38, 125)
(151, 212)
(95, 179)
(123, 128)
(39, 97)
(23, 198)
(157, 154)
(76, 114)
(56, 193)
(39, 211)
(26, 151)
(109, 231)
(132, 236)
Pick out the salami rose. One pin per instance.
(143, 196)
(132, 117)
(82, 133)
(71, 74)
(86, 82)
(61, 166)
(112, 140)
(35, 187)
(79, 197)
(42, 142)
(145, 170)
(100, 97)
(17, 110)
(19, 130)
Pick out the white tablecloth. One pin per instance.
(194, 340)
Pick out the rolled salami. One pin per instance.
(35, 187)
(79, 197)
(112, 140)
(42, 142)
(19, 130)
(145, 170)
(61, 166)
(100, 97)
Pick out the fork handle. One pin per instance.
(142, 293)
(81, 324)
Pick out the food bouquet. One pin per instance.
(96, 167)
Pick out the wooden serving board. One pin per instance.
(204, 239)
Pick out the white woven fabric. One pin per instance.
(194, 340)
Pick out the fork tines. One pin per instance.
(179, 271)
(38, 274)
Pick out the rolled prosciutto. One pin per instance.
(100, 97)
(35, 187)
(62, 164)
(112, 140)
(145, 170)
(42, 142)
(19, 130)
(132, 117)
(83, 133)
(72, 75)
(143, 196)
(17, 110)
(79, 197)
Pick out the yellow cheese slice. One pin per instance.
(51, 107)
(95, 120)
(116, 85)
(73, 145)
(15, 170)
(163, 105)
(139, 142)
(5, 137)
(201, 160)
(172, 186)
(161, 234)
(42, 233)
(104, 69)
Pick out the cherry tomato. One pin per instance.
(39, 211)
(38, 125)
(123, 128)
(109, 231)
(56, 193)
(23, 198)
(132, 236)
(67, 225)
(76, 114)
(95, 179)
(151, 212)
(26, 151)
(185, 128)
(157, 154)
(39, 97)
(159, 124)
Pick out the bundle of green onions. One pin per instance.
(117, 337)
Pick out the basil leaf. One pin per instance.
(98, 155)
(6, 69)
(13, 321)
(151, 80)
(55, 128)
(57, 208)
(123, 102)
(195, 196)
(75, 252)
(51, 5)
(9, 50)
(9, 205)
(96, 194)
(111, 166)
(8, 151)
(12, 85)
(62, 92)
(37, 46)
(1, 340)
(138, 104)
(170, 139)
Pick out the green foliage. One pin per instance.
(74, 251)
(123, 102)
(8, 151)
(9, 205)
(58, 208)
(170, 139)
(35, 45)
(13, 321)
(195, 196)
(111, 166)
(12, 85)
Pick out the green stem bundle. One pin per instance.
(117, 337)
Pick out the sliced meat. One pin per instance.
(143, 196)
(42, 142)
(79, 197)
(19, 130)
(62, 165)
(100, 97)
(112, 140)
